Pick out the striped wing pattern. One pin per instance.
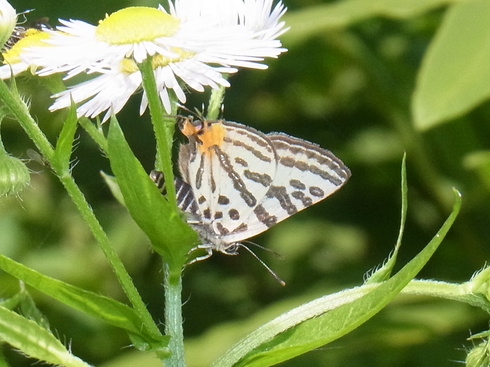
(238, 182)
(305, 175)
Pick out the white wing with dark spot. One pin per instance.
(305, 175)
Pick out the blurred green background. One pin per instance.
(348, 89)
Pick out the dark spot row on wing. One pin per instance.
(297, 184)
(264, 217)
(300, 195)
(250, 133)
(262, 178)
(313, 152)
(305, 167)
(223, 200)
(234, 214)
(242, 162)
(256, 152)
(317, 191)
(281, 194)
(238, 183)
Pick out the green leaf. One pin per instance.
(12, 302)
(35, 341)
(384, 272)
(323, 18)
(111, 183)
(95, 132)
(107, 309)
(29, 310)
(171, 237)
(455, 76)
(64, 144)
(323, 320)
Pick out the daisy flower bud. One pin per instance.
(14, 175)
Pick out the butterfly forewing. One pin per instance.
(238, 182)
(230, 168)
(305, 175)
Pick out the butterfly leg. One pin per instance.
(208, 249)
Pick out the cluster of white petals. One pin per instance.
(192, 45)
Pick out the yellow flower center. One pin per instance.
(33, 37)
(136, 24)
(129, 66)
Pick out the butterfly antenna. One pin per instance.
(279, 280)
(275, 253)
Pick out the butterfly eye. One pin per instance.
(200, 128)
(232, 248)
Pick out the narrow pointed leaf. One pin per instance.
(385, 270)
(169, 234)
(111, 183)
(107, 309)
(95, 132)
(35, 341)
(64, 145)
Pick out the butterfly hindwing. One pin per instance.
(305, 175)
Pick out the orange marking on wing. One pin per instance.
(207, 135)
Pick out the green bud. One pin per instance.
(479, 356)
(14, 175)
(480, 283)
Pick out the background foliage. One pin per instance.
(352, 81)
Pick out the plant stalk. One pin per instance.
(173, 319)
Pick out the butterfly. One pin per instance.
(238, 182)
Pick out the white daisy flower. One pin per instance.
(194, 43)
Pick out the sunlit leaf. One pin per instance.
(455, 76)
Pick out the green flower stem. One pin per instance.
(110, 253)
(173, 319)
(451, 291)
(164, 129)
(163, 126)
(21, 112)
(215, 101)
